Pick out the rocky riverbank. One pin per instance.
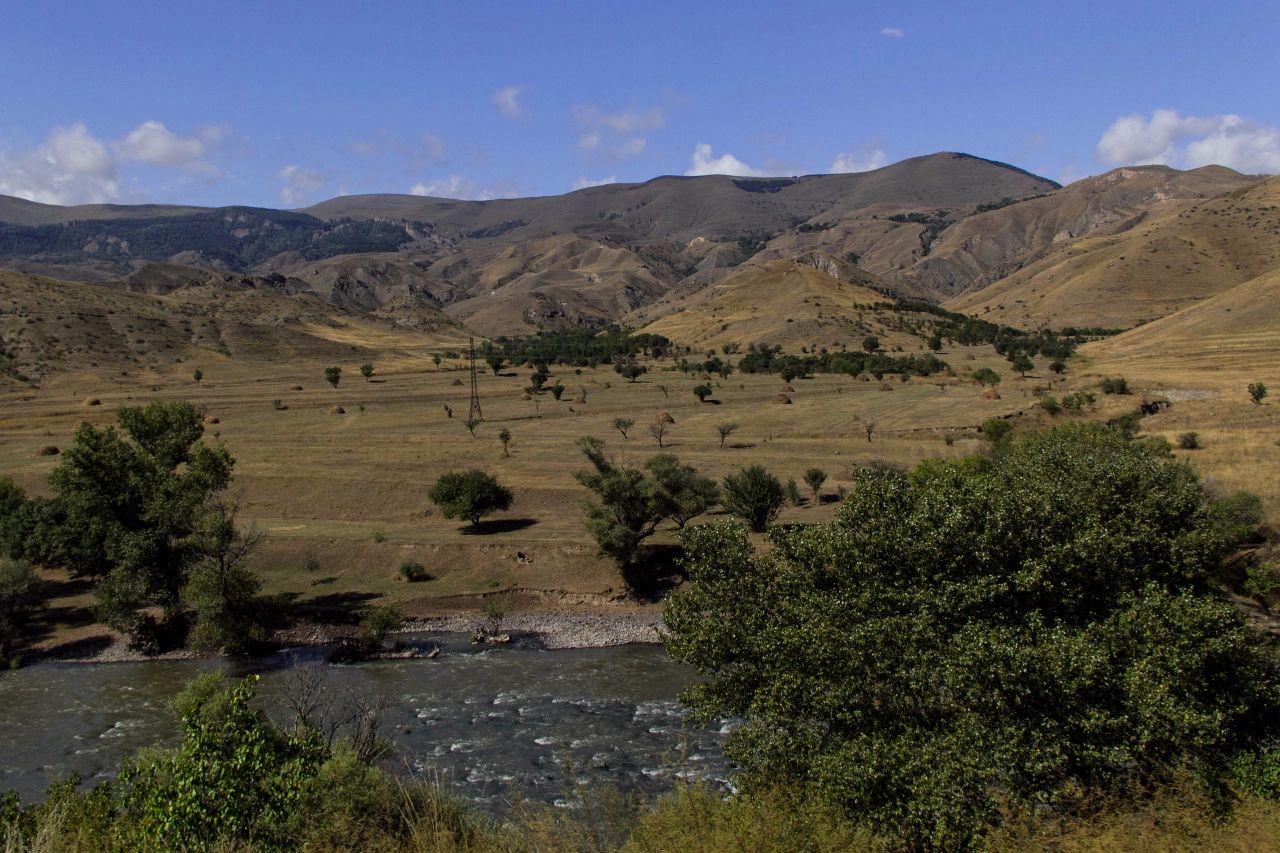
(565, 629)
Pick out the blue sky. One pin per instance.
(288, 103)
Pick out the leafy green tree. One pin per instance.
(19, 597)
(631, 372)
(435, 359)
(997, 430)
(557, 390)
(539, 378)
(1257, 392)
(626, 510)
(504, 435)
(377, 623)
(1058, 366)
(702, 392)
(754, 495)
(680, 493)
(792, 492)
(128, 508)
(1050, 404)
(469, 495)
(623, 424)
(814, 478)
(333, 375)
(871, 343)
(197, 375)
(725, 430)
(1022, 363)
(935, 343)
(366, 370)
(222, 591)
(234, 775)
(495, 362)
(980, 634)
(1114, 385)
(986, 376)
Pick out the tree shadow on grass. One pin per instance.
(655, 574)
(741, 445)
(336, 608)
(499, 525)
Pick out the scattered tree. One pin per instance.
(333, 375)
(702, 392)
(986, 376)
(495, 362)
(996, 430)
(869, 426)
(622, 425)
(504, 435)
(1114, 385)
(469, 496)
(557, 390)
(1257, 392)
(754, 495)
(448, 410)
(198, 375)
(631, 372)
(1049, 404)
(871, 343)
(681, 493)
(435, 359)
(1189, 441)
(377, 623)
(222, 591)
(725, 430)
(1058, 366)
(624, 513)
(1022, 363)
(366, 370)
(658, 429)
(935, 343)
(814, 478)
(792, 491)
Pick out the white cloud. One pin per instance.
(617, 135)
(583, 183)
(1187, 142)
(704, 162)
(855, 162)
(460, 187)
(69, 167)
(893, 32)
(298, 184)
(507, 100)
(154, 144)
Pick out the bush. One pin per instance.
(1189, 441)
(924, 663)
(1114, 385)
(469, 495)
(415, 572)
(377, 623)
(996, 430)
(1050, 405)
(793, 493)
(986, 376)
(1257, 392)
(754, 495)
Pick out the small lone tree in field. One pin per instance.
(504, 435)
(448, 410)
(1022, 363)
(935, 343)
(1114, 385)
(658, 429)
(996, 430)
(814, 478)
(1058, 366)
(871, 343)
(754, 495)
(725, 430)
(198, 375)
(366, 370)
(495, 362)
(870, 427)
(622, 425)
(469, 496)
(435, 359)
(986, 376)
(702, 392)
(1257, 392)
(557, 390)
(631, 372)
(333, 375)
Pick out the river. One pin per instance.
(494, 721)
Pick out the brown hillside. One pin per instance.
(1175, 257)
(778, 302)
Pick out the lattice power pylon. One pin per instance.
(474, 415)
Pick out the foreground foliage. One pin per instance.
(984, 632)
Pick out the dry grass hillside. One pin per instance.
(1174, 257)
(50, 327)
(779, 302)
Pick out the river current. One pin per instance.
(495, 722)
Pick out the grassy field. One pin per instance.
(347, 492)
